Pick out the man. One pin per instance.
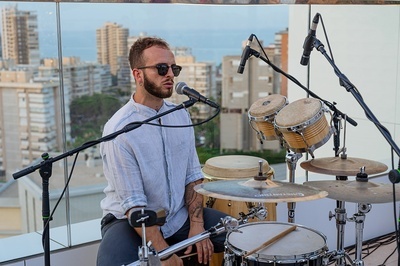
(153, 168)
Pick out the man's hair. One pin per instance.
(136, 52)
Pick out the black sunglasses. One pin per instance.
(163, 68)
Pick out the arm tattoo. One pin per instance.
(194, 202)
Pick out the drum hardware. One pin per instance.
(291, 161)
(359, 219)
(360, 191)
(341, 218)
(143, 218)
(302, 246)
(227, 224)
(260, 212)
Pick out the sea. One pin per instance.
(206, 45)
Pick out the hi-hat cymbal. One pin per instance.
(356, 191)
(251, 190)
(338, 166)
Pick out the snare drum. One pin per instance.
(303, 246)
(263, 112)
(303, 125)
(235, 167)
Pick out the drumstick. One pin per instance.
(272, 240)
(188, 255)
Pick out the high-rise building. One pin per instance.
(36, 128)
(112, 49)
(30, 94)
(197, 75)
(20, 37)
(240, 92)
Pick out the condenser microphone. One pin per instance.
(308, 42)
(245, 55)
(183, 88)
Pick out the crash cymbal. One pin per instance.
(356, 191)
(251, 190)
(343, 167)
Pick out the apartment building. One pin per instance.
(197, 75)
(37, 128)
(20, 37)
(112, 49)
(241, 91)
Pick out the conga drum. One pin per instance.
(303, 125)
(262, 113)
(228, 167)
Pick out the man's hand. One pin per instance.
(173, 261)
(205, 248)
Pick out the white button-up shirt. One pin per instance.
(150, 165)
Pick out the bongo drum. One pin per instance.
(229, 167)
(303, 125)
(263, 112)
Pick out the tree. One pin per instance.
(88, 116)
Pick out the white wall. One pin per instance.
(365, 41)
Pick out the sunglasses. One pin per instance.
(163, 68)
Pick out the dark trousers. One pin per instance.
(120, 243)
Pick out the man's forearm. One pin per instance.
(194, 202)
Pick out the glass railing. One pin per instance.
(56, 63)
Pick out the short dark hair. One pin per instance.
(136, 52)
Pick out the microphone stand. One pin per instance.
(345, 82)
(331, 106)
(45, 168)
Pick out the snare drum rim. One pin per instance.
(298, 258)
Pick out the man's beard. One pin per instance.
(154, 90)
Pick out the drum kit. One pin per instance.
(246, 183)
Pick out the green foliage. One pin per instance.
(89, 114)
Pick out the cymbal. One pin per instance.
(337, 166)
(251, 190)
(356, 191)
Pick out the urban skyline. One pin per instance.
(221, 33)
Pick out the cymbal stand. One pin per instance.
(359, 219)
(259, 211)
(341, 217)
(340, 210)
(291, 161)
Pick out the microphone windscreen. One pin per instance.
(179, 87)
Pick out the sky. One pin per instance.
(210, 30)
(158, 16)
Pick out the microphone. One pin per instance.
(245, 55)
(308, 42)
(183, 88)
